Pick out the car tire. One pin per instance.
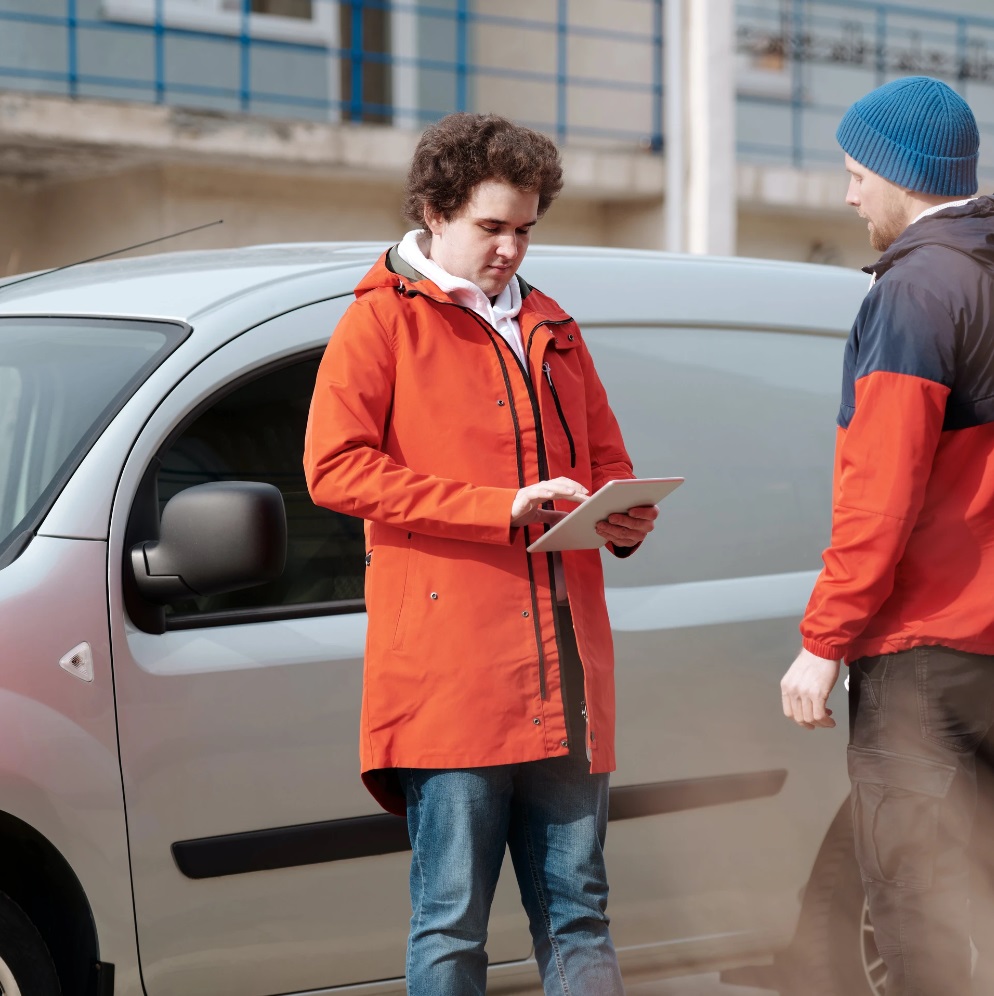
(26, 967)
(834, 953)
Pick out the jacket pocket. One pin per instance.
(954, 697)
(897, 801)
(406, 598)
(547, 372)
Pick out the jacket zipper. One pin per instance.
(543, 464)
(540, 446)
(547, 370)
(544, 474)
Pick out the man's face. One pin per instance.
(486, 240)
(882, 204)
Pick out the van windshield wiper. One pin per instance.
(113, 252)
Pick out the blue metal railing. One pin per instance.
(826, 53)
(804, 61)
(254, 83)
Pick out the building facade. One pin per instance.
(691, 124)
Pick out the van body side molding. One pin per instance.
(368, 836)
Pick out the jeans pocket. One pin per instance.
(954, 697)
(866, 674)
(897, 800)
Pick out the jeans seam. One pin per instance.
(416, 857)
(544, 906)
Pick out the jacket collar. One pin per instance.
(963, 226)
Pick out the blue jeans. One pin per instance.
(552, 816)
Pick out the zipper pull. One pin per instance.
(547, 370)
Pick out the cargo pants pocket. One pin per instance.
(897, 803)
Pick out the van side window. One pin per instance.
(256, 433)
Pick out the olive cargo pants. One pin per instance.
(921, 762)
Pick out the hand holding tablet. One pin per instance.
(576, 530)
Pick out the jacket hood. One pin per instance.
(968, 228)
(391, 271)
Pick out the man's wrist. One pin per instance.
(826, 651)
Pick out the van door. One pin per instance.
(260, 863)
(705, 623)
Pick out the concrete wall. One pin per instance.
(100, 174)
(592, 113)
(60, 221)
(18, 219)
(841, 241)
(625, 113)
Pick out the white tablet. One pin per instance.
(576, 531)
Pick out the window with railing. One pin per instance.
(578, 69)
(802, 62)
(588, 71)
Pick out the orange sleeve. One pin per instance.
(883, 462)
(344, 463)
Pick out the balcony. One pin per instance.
(590, 74)
(801, 63)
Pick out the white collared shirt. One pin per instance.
(942, 207)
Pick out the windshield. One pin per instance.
(61, 381)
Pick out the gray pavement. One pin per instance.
(692, 985)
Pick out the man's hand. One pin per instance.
(805, 689)
(527, 505)
(627, 529)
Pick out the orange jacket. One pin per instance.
(424, 424)
(911, 561)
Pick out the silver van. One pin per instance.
(180, 806)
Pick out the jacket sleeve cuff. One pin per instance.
(623, 551)
(825, 650)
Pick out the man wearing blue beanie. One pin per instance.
(906, 596)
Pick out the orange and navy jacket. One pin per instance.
(911, 560)
(425, 423)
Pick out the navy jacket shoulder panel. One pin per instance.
(930, 315)
(905, 328)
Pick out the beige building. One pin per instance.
(703, 125)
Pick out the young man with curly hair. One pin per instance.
(457, 410)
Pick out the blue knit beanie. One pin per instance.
(916, 132)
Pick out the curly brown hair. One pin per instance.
(463, 150)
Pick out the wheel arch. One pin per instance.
(38, 878)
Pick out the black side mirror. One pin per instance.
(213, 538)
